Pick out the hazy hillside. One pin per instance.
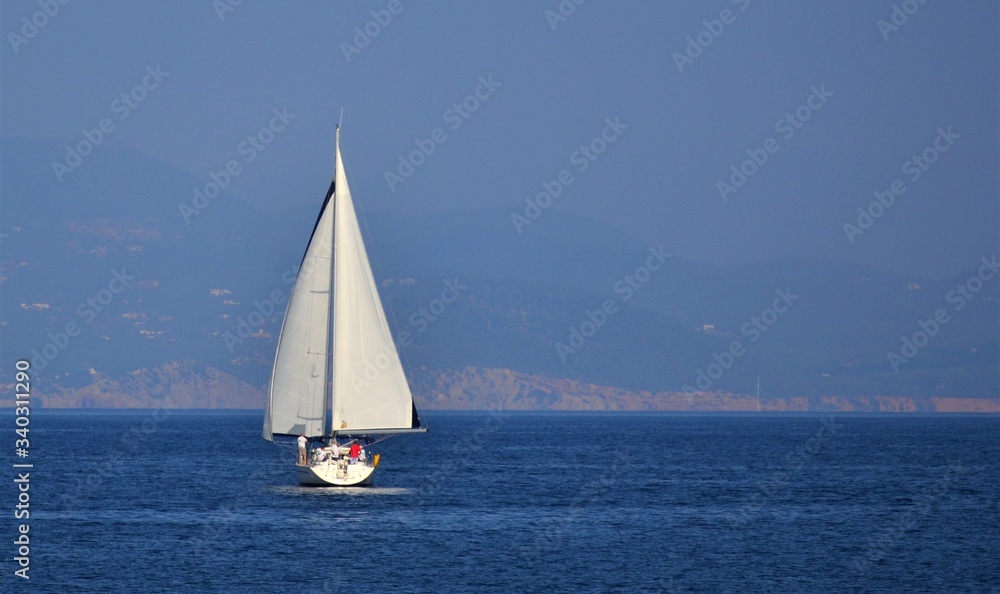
(212, 290)
(190, 385)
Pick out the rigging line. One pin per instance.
(378, 264)
(383, 438)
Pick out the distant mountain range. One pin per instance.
(110, 291)
(191, 385)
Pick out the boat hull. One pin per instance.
(335, 474)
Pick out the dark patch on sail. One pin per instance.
(329, 196)
(416, 417)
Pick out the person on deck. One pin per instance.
(335, 448)
(302, 449)
(355, 452)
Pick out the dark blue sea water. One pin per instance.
(195, 502)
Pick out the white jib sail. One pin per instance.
(369, 387)
(297, 402)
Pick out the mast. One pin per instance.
(328, 388)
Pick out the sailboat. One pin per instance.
(337, 373)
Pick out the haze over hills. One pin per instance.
(189, 310)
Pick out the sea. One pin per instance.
(185, 501)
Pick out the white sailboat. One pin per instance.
(337, 372)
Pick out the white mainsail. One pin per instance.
(297, 401)
(369, 392)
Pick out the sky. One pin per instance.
(646, 112)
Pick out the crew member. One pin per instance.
(302, 449)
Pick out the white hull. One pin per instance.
(335, 473)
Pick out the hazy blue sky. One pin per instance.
(886, 93)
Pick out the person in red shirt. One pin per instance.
(354, 452)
